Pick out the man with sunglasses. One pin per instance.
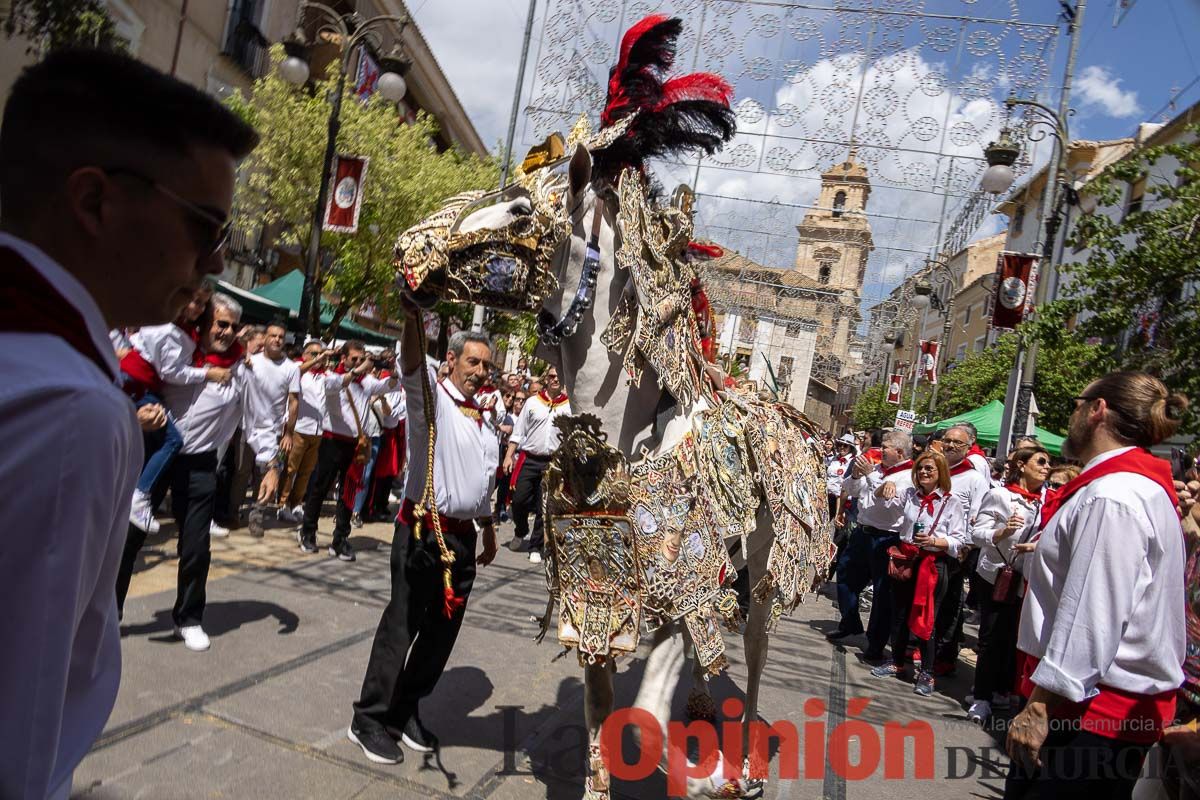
(116, 184)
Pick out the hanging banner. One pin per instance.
(928, 362)
(1016, 280)
(895, 389)
(366, 76)
(345, 195)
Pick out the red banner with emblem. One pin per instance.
(895, 389)
(928, 361)
(345, 193)
(1016, 280)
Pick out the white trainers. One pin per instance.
(535, 557)
(298, 514)
(979, 712)
(141, 515)
(194, 638)
(217, 531)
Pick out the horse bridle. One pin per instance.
(552, 331)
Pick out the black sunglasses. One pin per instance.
(223, 324)
(1055, 484)
(217, 228)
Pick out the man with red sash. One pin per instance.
(865, 558)
(533, 441)
(113, 214)
(1102, 628)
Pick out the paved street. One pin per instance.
(263, 714)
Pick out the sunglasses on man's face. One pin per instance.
(212, 229)
(224, 325)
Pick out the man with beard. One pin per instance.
(1103, 632)
(421, 622)
(970, 486)
(207, 415)
(114, 211)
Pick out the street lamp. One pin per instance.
(348, 31)
(1001, 155)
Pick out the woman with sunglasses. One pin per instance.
(933, 532)
(1007, 517)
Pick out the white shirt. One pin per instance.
(269, 384)
(466, 453)
(535, 432)
(998, 505)
(339, 414)
(981, 463)
(970, 487)
(169, 349)
(397, 410)
(71, 457)
(875, 512)
(836, 470)
(1106, 594)
(951, 526)
(311, 415)
(207, 414)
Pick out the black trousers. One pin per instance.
(1078, 764)
(948, 630)
(397, 676)
(381, 495)
(334, 459)
(527, 497)
(902, 600)
(996, 653)
(193, 483)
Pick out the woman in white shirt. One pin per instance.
(1011, 513)
(933, 532)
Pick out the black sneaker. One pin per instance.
(518, 545)
(308, 541)
(416, 737)
(838, 635)
(377, 746)
(342, 550)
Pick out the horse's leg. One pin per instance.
(755, 637)
(661, 677)
(700, 705)
(598, 704)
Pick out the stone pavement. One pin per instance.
(263, 714)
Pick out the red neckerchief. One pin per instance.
(224, 360)
(468, 406)
(961, 467)
(1033, 497)
(927, 500)
(144, 376)
(903, 465)
(341, 370)
(975, 450)
(31, 304)
(556, 402)
(1137, 460)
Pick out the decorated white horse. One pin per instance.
(692, 473)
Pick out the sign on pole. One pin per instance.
(1016, 280)
(895, 389)
(929, 361)
(345, 197)
(905, 420)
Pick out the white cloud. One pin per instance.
(1098, 88)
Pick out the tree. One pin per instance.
(55, 24)
(406, 179)
(872, 410)
(1135, 293)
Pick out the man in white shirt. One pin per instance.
(530, 446)
(348, 396)
(306, 438)
(418, 628)
(970, 486)
(207, 416)
(1103, 627)
(270, 407)
(865, 558)
(112, 217)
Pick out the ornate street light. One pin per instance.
(348, 31)
(1001, 155)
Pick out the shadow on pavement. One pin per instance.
(219, 619)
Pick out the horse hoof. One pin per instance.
(700, 706)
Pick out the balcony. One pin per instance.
(245, 44)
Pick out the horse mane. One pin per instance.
(688, 113)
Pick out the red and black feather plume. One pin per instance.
(685, 113)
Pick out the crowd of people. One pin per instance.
(1078, 572)
(129, 379)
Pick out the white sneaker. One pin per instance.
(298, 514)
(979, 712)
(535, 557)
(141, 515)
(217, 531)
(194, 637)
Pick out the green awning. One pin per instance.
(286, 291)
(986, 420)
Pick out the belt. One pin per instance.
(339, 437)
(537, 456)
(458, 527)
(878, 531)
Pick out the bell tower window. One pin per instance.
(839, 204)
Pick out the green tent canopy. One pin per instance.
(286, 292)
(986, 420)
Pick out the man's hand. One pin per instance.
(862, 465)
(508, 465)
(840, 520)
(285, 444)
(218, 375)
(151, 417)
(489, 544)
(1024, 547)
(1026, 735)
(886, 491)
(269, 486)
(1186, 492)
